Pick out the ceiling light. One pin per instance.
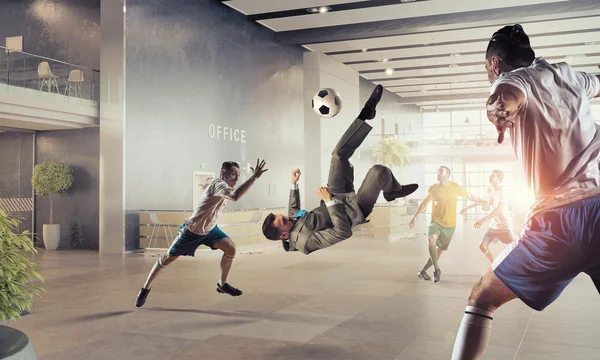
(364, 50)
(383, 60)
(453, 66)
(575, 56)
(407, 1)
(322, 9)
(592, 43)
(455, 55)
(389, 71)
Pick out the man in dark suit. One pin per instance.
(341, 207)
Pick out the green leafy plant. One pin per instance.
(391, 153)
(51, 177)
(17, 269)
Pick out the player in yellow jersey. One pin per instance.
(443, 218)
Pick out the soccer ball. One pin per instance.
(327, 103)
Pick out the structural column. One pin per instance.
(322, 134)
(112, 127)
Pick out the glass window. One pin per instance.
(436, 119)
(466, 117)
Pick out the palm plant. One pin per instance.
(391, 153)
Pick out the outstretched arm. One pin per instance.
(464, 210)
(421, 209)
(294, 203)
(495, 212)
(243, 189)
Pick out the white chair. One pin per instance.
(75, 80)
(47, 77)
(157, 225)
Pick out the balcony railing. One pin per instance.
(28, 71)
(441, 139)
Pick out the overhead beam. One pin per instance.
(541, 28)
(497, 17)
(537, 42)
(394, 12)
(459, 59)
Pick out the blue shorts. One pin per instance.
(506, 236)
(186, 242)
(554, 247)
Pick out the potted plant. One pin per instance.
(391, 153)
(17, 269)
(51, 178)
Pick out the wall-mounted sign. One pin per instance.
(226, 133)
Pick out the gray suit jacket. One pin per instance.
(324, 226)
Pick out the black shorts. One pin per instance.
(187, 242)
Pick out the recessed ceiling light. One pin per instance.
(455, 55)
(383, 60)
(407, 1)
(321, 9)
(591, 43)
(453, 66)
(575, 56)
(364, 50)
(389, 71)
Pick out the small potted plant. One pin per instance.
(50, 178)
(17, 269)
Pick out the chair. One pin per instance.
(47, 77)
(75, 80)
(157, 225)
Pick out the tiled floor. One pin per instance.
(358, 300)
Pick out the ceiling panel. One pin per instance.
(463, 85)
(481, 33)
(470, 69)
(392, 12)
(435, 47)
(468, 47)
(252, 7)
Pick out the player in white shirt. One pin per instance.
(201, 228)
(501, 225)
(546, 110)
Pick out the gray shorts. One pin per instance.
(506, 236)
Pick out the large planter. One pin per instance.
(15, 345)
(51, 236)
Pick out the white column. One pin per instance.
(112, 126)
(321, 134)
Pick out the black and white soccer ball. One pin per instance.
(327, 103)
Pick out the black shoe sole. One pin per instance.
(404, 192)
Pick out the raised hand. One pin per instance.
(259, 169)
(296, 176)
(478, 224)
(324, 194)
(502, 108)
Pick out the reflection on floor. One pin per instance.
(358, 300)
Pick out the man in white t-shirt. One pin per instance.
(546, 109)
(201, 228)
(501, 227)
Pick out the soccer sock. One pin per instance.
(473, 335)
(427, 265)
(433, 252)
